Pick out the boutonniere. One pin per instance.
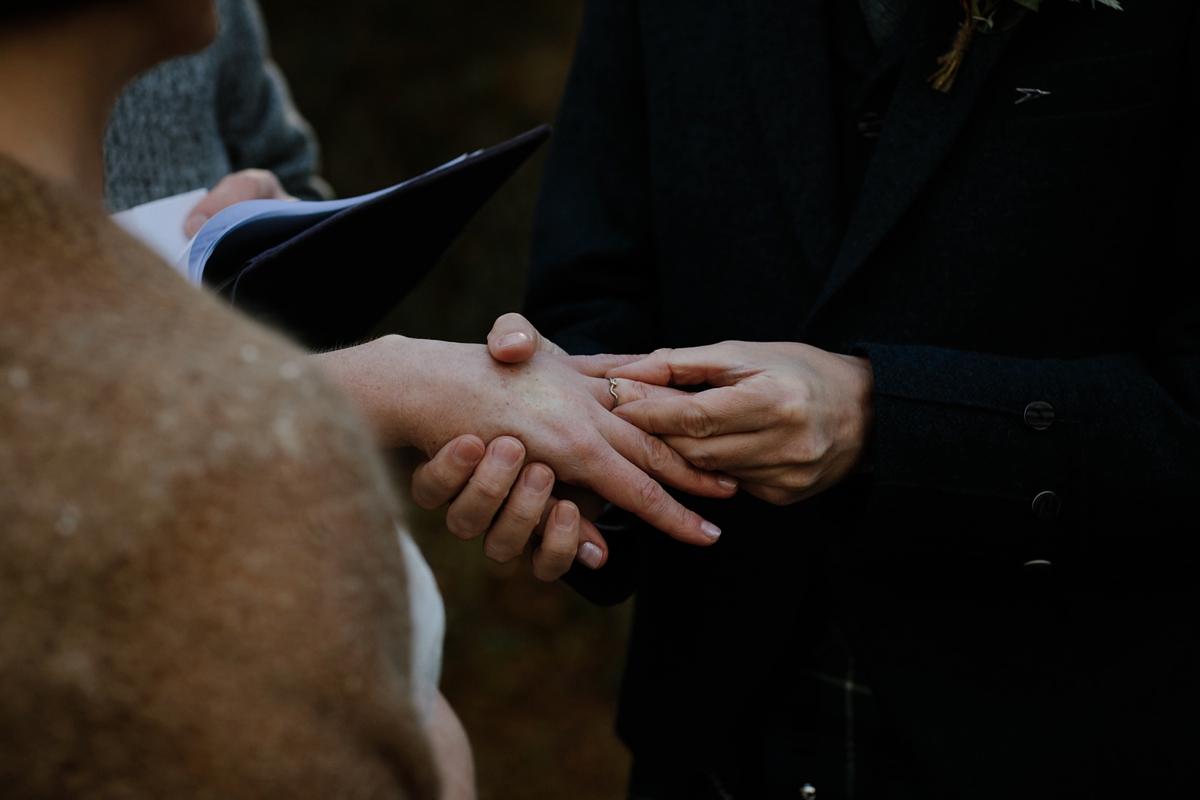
(985, 16)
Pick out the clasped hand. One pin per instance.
(784, 419)
(502, 423)
(788, 420)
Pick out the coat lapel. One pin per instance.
(920, 127)
(788, 61)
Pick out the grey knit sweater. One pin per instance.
(190, 122)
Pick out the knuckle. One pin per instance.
(492, 491)
(702, 461)
(801, 479)
(653, 497)
(659, 457)
(264, 180)
(244, 183)
(422, 496)
(523, 515)
(560, 547)
(498, 551)
(777, 497)
(807, 451)
(461, 528)
(697, 422)
(546, 573)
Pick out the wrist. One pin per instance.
(376, 377)
(866, 408)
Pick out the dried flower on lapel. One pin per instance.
(981, 18)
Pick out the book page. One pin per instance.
(160, 225)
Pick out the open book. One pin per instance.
(327, 272)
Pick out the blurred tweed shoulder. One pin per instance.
(189, 122)
(201, 589)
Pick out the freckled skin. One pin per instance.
(426, 393)
(201, 590)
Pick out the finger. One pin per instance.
(687, 366)
(439, 480)
(600, 365)
(611, 395)
(626, 486)
(593, 548)
(250, 184)
(779, 496)
(716, 412)
(628, 391)
(560, 542)
(513, 339)
(776, 477)
(522, 513)
(654, 457)
(472, 512)
(749, 456)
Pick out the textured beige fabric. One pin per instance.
(201, 590)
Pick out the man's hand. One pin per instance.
(787, 419)
(249, 184)
(493, 493)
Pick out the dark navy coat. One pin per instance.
(998, 254)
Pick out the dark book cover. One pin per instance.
(327, 277)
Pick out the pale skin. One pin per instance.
(440, 396)
(248, 184)
(786, 419)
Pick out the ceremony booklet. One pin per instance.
(327, 272)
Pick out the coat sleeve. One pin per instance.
(592, 278)
(259, 123)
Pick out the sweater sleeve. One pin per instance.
(259, 123)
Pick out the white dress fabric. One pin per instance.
(428, 628)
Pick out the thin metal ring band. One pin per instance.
(612, 389)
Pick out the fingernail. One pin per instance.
(727, 483)
(710, 530)
(568, 515)
(465, 454)
(511, 339)
(589, 555)
(509, 452)
(195, 222)
(537, 480)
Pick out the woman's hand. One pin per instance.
(426, 393)
(786, 419)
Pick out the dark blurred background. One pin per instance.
(394, 89)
